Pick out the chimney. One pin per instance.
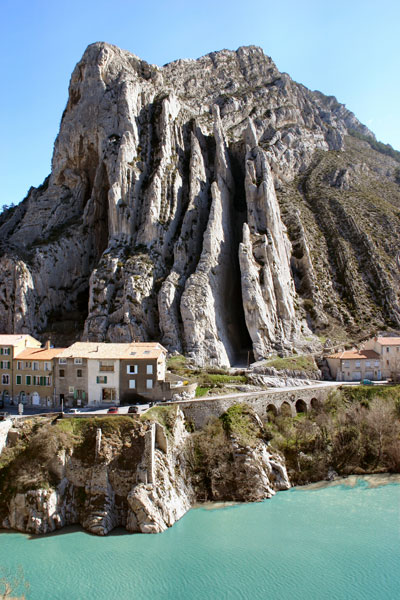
(47, 345)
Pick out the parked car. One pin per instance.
(367, 382)
(73, 411)
(133, 409)
(113, 410)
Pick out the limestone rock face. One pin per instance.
(140, 477)
(213, 205)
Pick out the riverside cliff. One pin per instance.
(214, 205)
(143, 475)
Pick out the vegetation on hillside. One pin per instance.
(378, 146)
(292, 363)
(210, 378)
(345, 208)
(357, 430)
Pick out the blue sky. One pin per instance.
(349, 49)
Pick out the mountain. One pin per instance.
(214, 205)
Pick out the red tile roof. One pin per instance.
(39, 353)
(356, 354)
(389, 341)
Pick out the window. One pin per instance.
(377, 363)
(357, 364)
(28, 380)
(71, 389)
(132, 369)
(387, 348)
(19, 365)
(149, 384)
(5, 379)
(34, 380)
(47, 366)
(62, 361)
(28, 364)
(347, 363)
(19, 379)
(101, 379)
(77, 361)
(387, 363)
(35, 366)
(61, 373)
(132, 384)
(47, 380)
(106, 365)
(149, 369)
(146, 352)
(5, 364)
(367, 363)
(79, 372)
(5, 351)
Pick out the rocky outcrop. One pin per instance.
(5, 427)
(134, 475)
(214, 205)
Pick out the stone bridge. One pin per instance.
(287, 401)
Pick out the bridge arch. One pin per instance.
(315, 403)
(301, 406)
(271, 411)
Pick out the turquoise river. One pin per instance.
(340, 542)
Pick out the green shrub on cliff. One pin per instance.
(238, 421)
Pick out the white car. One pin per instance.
(73, 411)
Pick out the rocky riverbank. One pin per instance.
(143, 475)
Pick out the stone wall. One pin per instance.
(294, 400)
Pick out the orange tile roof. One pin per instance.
(39, 353)
(389, 341)
(355, 354)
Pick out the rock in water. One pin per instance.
(215, 205)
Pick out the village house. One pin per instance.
(355, 365)
(97, 373)
(34, 375)
(388, 348)
(71, 376)
(142, 373)
(10, 347)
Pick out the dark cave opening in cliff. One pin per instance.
(100, 211)
(239, 337)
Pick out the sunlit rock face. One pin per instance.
(211, 204)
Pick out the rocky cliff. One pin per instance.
(214, 205)
(119, 472)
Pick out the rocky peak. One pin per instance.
(193, 203)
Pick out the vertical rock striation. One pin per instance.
(160, 218)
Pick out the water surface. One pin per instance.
(339, 542)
